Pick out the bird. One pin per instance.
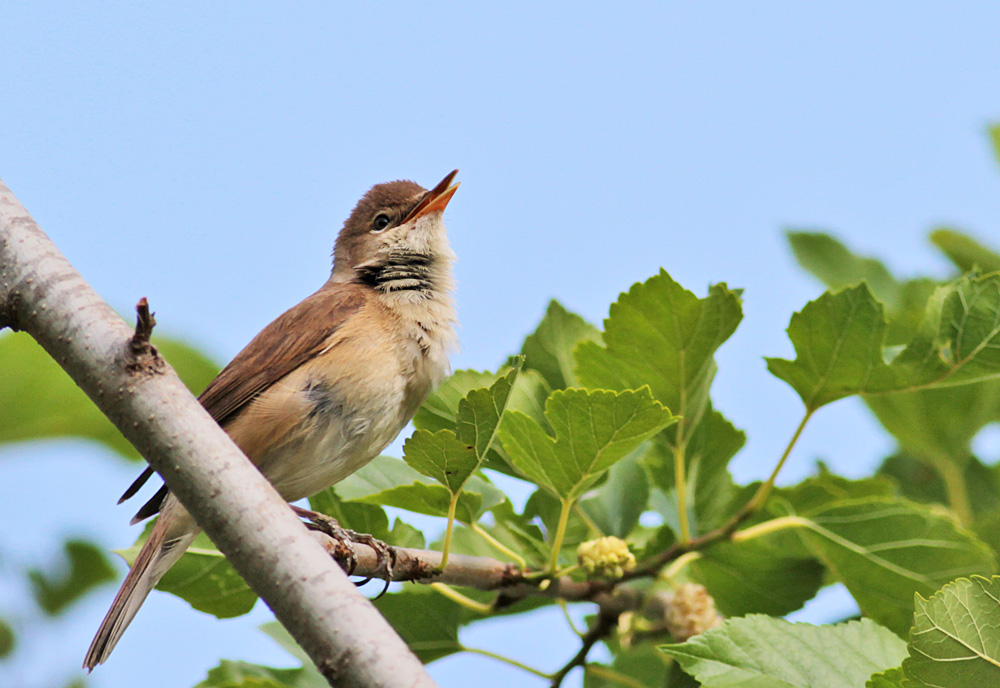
(331, 382)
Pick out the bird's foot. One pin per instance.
(385, 557)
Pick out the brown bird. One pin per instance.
(329, 384)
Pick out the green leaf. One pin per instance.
(919, 482)
(661, 335)
(837, 267)
(230, 674)
(40, 400)
(964, 251)
(758, 575)
(202, 578)
(934, 424)
(88, 568)
(834, 265)
(8, 641)
(452, 454)
(440, 410)
(427, 621)
(616, 504)
(593, 431)
(479, 413)
(838, 345)
(958, 341)
(890, 678)
(386, 481)
(763, 652)
(884, 550)
(955, 641)
(441, 456)
(823, 489)
(938, 425)
(549, 350)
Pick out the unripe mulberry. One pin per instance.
(606, 557)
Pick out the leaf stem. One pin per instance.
(680, 477)
(768, 527)
(467, 602)
(764, 491)
(955, 487)
(585, 517)
(569, 619)
(499, 546)
(678, 564)
(452, 505)
(613, 676)
(567, 506)
(507, 660)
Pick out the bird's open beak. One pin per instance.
(435, 200)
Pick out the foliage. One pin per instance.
(613, 432)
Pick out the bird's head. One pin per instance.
(394, 224)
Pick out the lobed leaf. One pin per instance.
(594, 429)
(549, 349)
(838, 345)
(661, 335)
(88, 568)
(442, 456)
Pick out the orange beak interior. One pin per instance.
(435, 200)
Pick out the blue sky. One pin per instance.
(204, 155)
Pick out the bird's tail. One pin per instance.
(171, 536)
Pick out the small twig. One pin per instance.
(142, 355)
(144, 324)
(604, 624)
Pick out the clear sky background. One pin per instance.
(204, 155)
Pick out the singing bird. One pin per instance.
(329, 384)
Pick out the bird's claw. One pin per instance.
(385, 557)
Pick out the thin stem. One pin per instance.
(613, 676)
(569, 619)
(678, 564)
(447, 533)
(955, 487)
(499, 546)
(567, 506)
(765, 490)
(585, 517)
(507, 660)
(467, 602)
(680, 477)
(768, 527)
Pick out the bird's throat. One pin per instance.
(404, 271)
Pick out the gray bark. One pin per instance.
(43, 295)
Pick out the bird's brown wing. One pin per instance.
(298, 335)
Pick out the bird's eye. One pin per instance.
(380, 222)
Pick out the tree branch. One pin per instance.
(42, 294)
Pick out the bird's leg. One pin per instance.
(384, 556)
